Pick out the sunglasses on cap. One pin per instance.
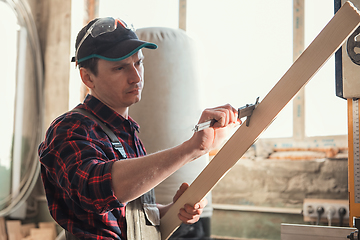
(102, 26)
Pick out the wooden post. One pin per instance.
(53, 20)
(3, 235)
(345, 21)
(182, 14)
(298, 48)
(91, 12)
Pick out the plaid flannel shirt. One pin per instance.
(76, 160)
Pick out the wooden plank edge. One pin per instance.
(259, 209)
(315, 231)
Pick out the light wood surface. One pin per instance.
(308, 63)
(311, 232)
(3, 235)
(13, 229)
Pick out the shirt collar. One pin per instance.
(106, 114)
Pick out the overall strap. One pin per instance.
(113, 138)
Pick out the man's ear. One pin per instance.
(86, 77)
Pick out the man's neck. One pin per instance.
(124, 114)
(123, 111)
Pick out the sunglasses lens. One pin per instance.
(103, 26)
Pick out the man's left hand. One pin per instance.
(189, 214)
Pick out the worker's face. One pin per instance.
(119, 84)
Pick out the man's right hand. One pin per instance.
(224, 117)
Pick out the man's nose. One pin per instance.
(135, 75)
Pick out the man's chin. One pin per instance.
(136, 100)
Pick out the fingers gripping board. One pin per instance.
(340, 27)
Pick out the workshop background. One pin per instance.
(239, 50)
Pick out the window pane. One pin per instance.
(246, 47)
(325, 114)
(10, 27)
(142, 13)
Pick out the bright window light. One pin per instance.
(245, 47)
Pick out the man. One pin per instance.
(98, 189)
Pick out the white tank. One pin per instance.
(170, 105)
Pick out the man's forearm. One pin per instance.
(133, 177)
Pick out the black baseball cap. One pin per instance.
(113, 45)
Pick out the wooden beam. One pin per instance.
(13, 229)
(182, 14)
(309, 62)
(91, 12)
(54, 33)
(298, 28)
(298, 48)
(3, 235)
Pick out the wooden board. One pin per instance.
(49, 225)
(3, 235)
(310, 232)
(25, 229)
(13, 229)
(42, 234)
(309, 62)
